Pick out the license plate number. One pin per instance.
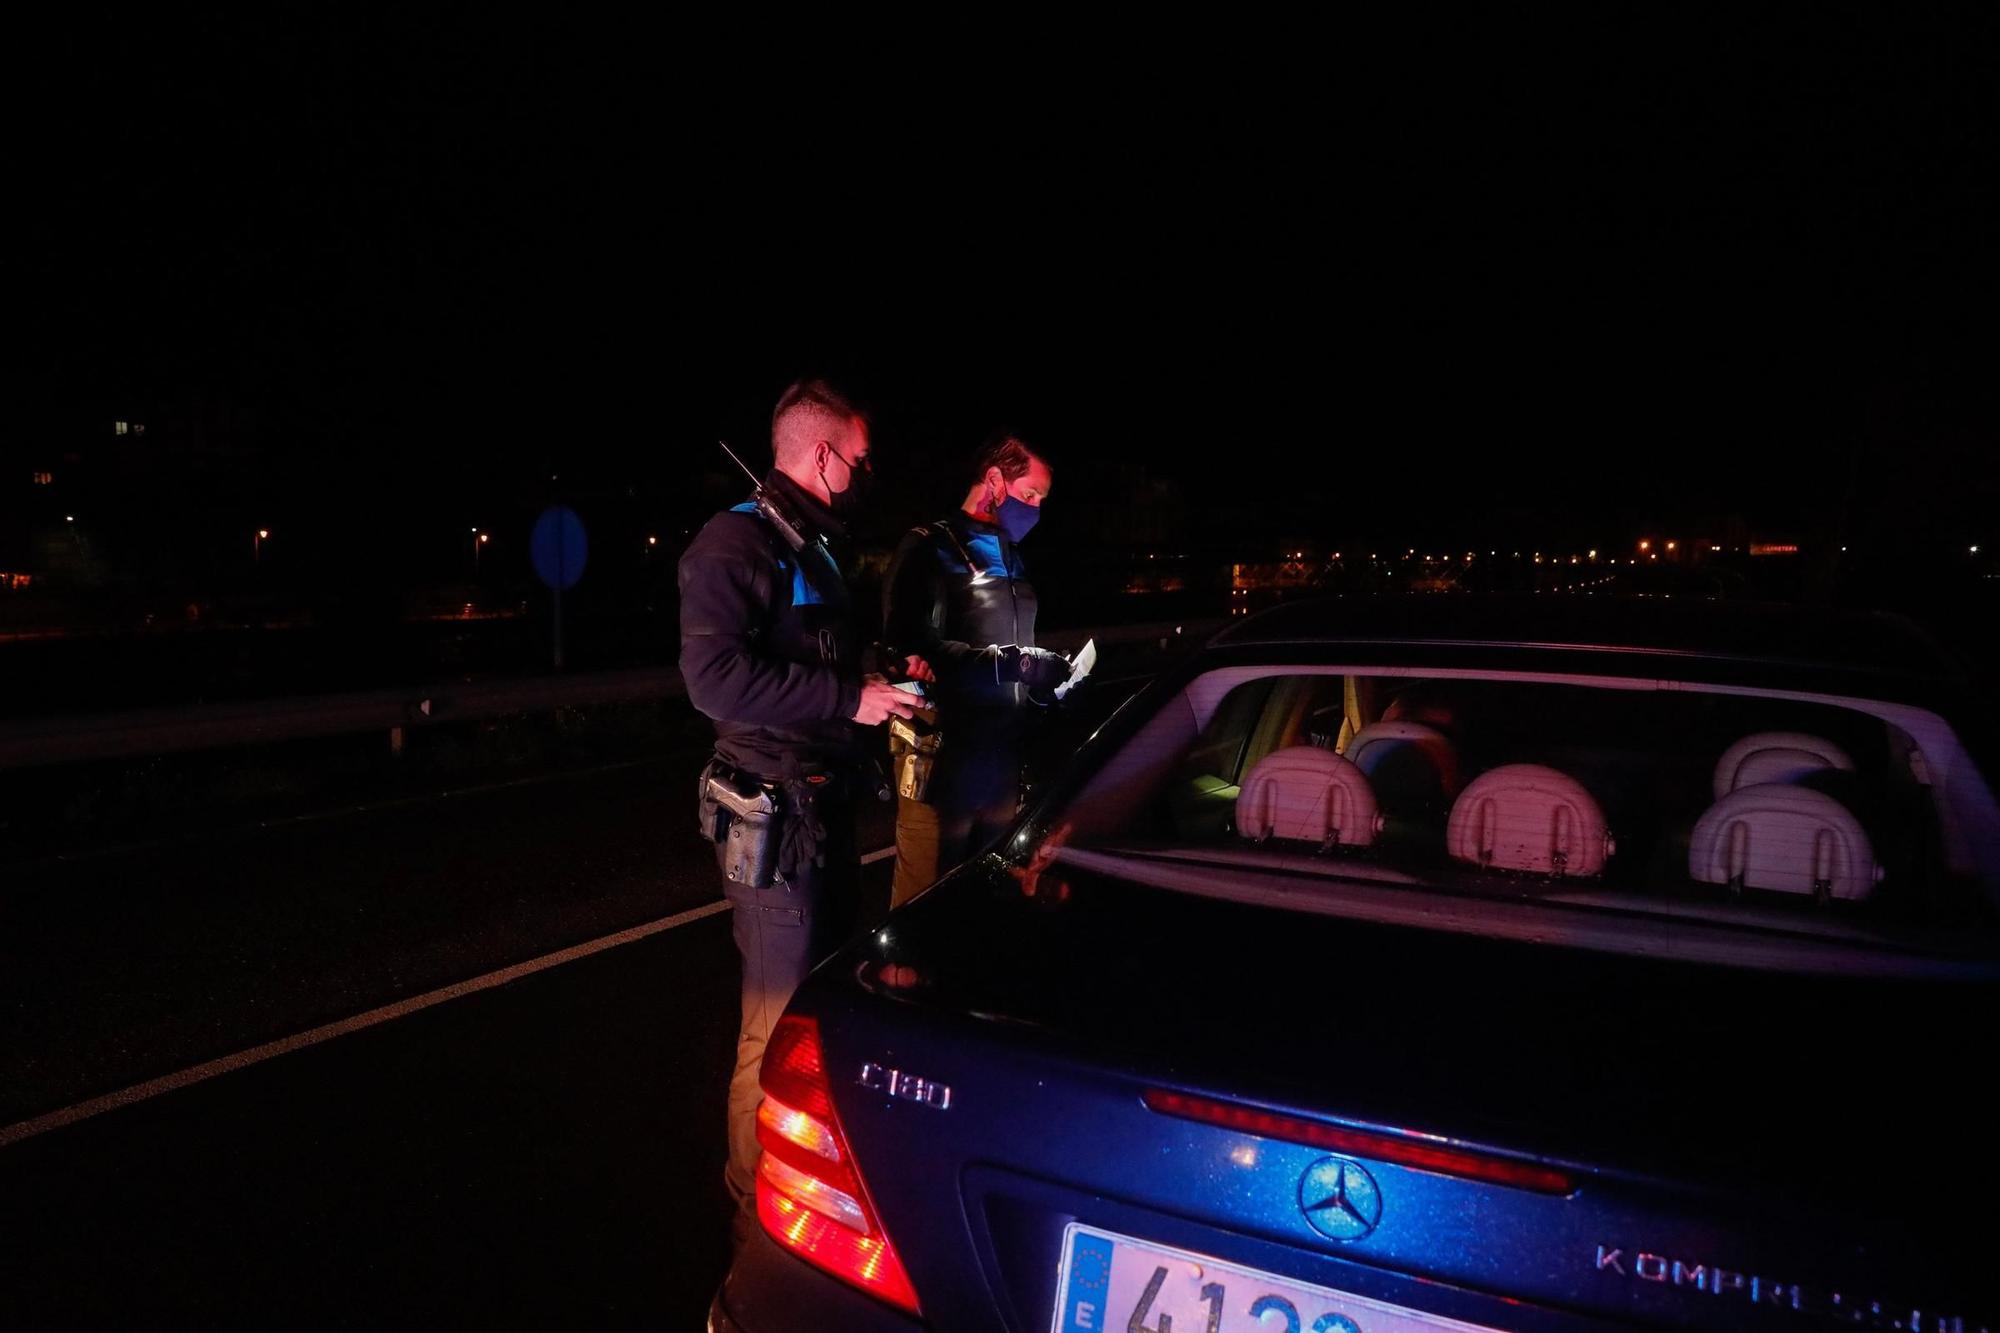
(1119, 1284)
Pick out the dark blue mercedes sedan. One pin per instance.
(1431, 965)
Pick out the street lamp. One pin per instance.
(257, 546)
(479, 540)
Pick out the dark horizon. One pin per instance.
(1528, 286)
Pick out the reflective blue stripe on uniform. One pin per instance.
(1085, 1294)
(947, 554)
(985, 550)
(803, 592)
(984, 547)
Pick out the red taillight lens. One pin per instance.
(809, 1192)
(794, 1071)
(1414, 1152)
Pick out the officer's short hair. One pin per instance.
(1008, 452)
(809, 411)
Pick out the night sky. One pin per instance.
(1444, 279)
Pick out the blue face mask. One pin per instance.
(1016, 517)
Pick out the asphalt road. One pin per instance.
(543, 1153)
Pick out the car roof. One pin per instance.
(1863, 642)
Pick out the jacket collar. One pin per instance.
(816, 515)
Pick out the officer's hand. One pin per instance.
(881, 701)
(1040, 669)
(917, 669)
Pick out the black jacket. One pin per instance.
(956, 589)
(768, 642)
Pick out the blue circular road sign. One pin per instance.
(558, 548)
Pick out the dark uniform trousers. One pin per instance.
(782, 933)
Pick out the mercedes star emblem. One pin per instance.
(1340, 1199)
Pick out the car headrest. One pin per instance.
(1426, 705)
(1776, 756)
(1529, 817)
(1405, 760)
(1785, 838)
(1312, 795)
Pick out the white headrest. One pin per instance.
(1309, 794)
(1791, 839)
(1529, 817)
(1776, 756)
(1379, 743)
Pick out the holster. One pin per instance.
(913, 746)
(742, 816)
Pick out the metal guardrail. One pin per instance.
(58, 740)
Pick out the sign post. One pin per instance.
(558, 549)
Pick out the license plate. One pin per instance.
(1116, 1284)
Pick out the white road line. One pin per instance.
(139, 1092)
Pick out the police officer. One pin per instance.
(958, 595)
(769, 651)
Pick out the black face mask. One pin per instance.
(860, 486)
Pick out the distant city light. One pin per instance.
(485, 537)
(652, 541)
(1670, 546)
(1593, 555)
(71, 518)
(1645, 546)
(263, 533)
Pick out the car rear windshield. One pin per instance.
(1674, 801)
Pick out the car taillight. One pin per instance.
(809, 1192)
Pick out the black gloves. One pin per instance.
(1037, 668)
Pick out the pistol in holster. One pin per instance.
(742, 816)
(913, 745)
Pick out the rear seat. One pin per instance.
(1786, 839)
(1774, 825)
(1776, 756)
(1307, 794)
(1529, 817)
(1411, 766)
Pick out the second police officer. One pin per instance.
(958, 596)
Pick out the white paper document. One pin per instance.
(1079, 667)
